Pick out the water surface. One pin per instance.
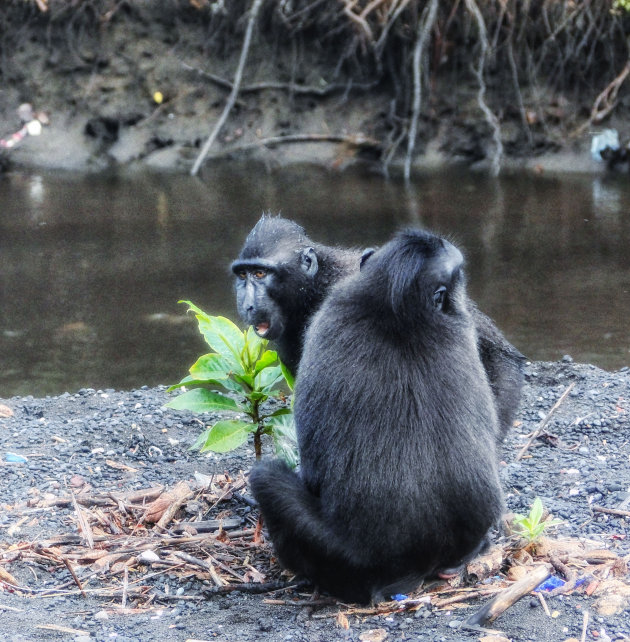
(92, 267)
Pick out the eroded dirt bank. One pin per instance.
(145, 82)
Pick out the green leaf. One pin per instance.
(203, 400)
(246, 380)
(210, 367)
(201, 440)
(268, 378)
(254, 345)
(223, 336)
(226, 435)
(268, 358)
(280, 412)
(288, 376)
(536, 511)
(284, 437)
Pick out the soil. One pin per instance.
(98, 443)
(138, 87)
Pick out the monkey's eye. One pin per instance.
(260, 274)
(242, 275)
(439, 296)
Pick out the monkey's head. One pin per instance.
(275, 276)
(417, 273)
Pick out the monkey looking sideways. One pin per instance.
(282, 278)
(396, 427)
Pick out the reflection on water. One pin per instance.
(92, 267)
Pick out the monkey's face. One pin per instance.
(256, 306)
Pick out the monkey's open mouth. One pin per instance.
(262, 328)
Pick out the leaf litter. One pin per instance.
(119, 543)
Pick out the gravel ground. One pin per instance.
(581, 461)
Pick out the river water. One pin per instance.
(92, 266)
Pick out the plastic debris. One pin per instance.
(550, 584)
(399, 597)
(608, 139)
(14, 458)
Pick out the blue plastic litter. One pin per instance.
(15, 459)
(550, 584)
(399, 597)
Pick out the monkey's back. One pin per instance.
(397, 431)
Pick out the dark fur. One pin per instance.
(291, 297)
(295, 285)
(396, 429)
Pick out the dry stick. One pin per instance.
(74, 575)
(505, 599)
(206, 566)
(585, 617)
(491, 119)
(253, 13)
(83, 523)
(425, 25)
(611, 511)
(544, 422)
(541, 597)
(123, 601)
(181, 494)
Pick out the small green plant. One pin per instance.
(242, 366)
(532, 526)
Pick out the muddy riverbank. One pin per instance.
(145, 83)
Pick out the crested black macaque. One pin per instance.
(282, 277)
(396, 427)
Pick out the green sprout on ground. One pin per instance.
(532, 526)
(249, 375)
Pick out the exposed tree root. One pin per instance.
(253, 14)
(425, 26)
(549, 50)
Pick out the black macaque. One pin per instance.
(397, 431)
(283, 277)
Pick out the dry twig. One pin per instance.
(544, 422)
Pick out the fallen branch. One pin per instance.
(509, 596)
(544, 422)
(611, 511)
(253, 13)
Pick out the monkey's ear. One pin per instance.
(366, 255)
(308, 261)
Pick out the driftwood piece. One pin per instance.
(163, 509)
(509, 596)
